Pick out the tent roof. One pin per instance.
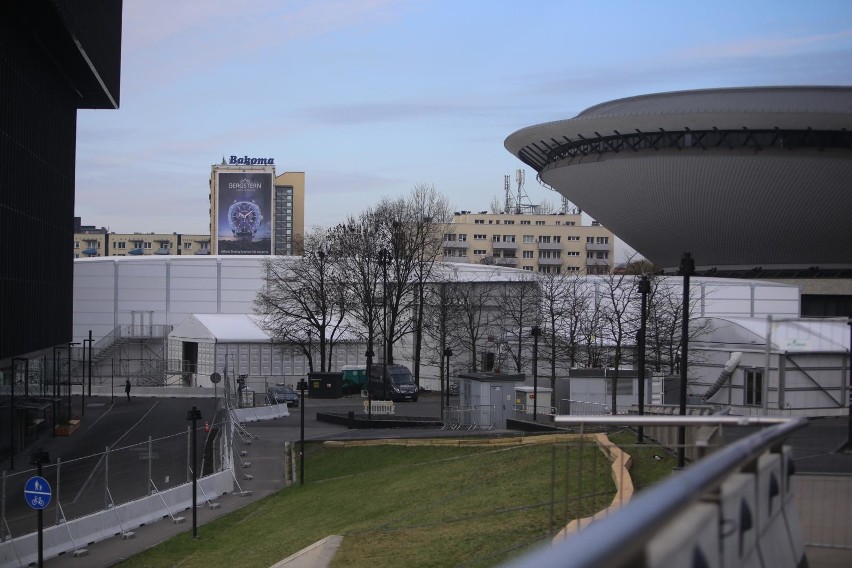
(798, 335)
(221, 328)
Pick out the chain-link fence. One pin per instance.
(117, 475)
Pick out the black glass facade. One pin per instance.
(55, 57)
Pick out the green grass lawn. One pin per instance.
(407, 506)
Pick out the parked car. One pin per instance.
(400, 385)
(281, 394)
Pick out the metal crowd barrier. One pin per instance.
(478, 417)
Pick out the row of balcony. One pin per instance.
(595, 265)
(497, 245)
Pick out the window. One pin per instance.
(557, 239)
(572, 253)
(146, 245)
(602, 255)
(479, 221)
(205, 246)
(527, 268)
(548, 254)
(508, 238)
(450, 237)
(544, 239)
(529, 239)
(590, 255)
(119, 245)
(528, 254)
(753, 387)
(509, 222)
(539, 222)
(572, 269)
(480, 252)
(480, 237)
(525, 222)
(573, 238)
(602, 240)
(76, 244)
(590, 240)
(187, 246)
(462, 238)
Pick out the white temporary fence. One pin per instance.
(23, 550)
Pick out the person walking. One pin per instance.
(127, 389)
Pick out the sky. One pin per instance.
(371, 98)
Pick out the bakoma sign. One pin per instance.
(246, 161)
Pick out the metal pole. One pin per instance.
(369, 355)
(384, 256)
(448, 352)
(12, 416)
(91, 341)
(302, 386)
(536, 331)
(644, 289)
(687, 268)
(69, 379)
(194, 415)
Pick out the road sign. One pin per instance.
(37, 492)
(215, 378)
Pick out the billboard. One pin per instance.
(244, 213)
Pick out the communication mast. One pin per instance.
(519, 202)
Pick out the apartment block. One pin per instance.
(96, 244)
(548, 243)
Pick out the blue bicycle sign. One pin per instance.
(37, 492)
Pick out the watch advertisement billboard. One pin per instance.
(244, 215)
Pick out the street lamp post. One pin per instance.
(82, 411)
(194, 415)
(448, 353)
(644, 289)
(687, 269)
(385, 258)
(302, 385)
(90, 342)
(369, 355)
(536, 332)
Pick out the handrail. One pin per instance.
(617, 540)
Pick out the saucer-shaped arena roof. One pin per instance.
(739, 178)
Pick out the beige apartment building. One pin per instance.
(549, 243)
(96, 244)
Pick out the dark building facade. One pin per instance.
(56, 56)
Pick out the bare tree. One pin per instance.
(520, 300)
(429, 217)
(475, 317)
(619, 318)
(303, 302)
(356, 241)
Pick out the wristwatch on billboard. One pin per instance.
(244, 218)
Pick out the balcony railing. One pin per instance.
(597, 246)
(549, 246)
(550, 261)
(455, 244)
(504, 246)
(506, 261)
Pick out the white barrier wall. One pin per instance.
(62, 538)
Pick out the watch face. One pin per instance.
(244, 218)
